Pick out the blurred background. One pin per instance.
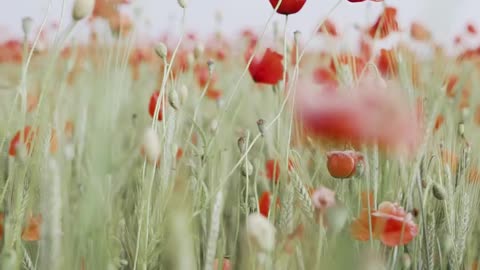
(445, 17)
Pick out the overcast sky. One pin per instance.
(443, 16)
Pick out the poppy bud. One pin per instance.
(261, 126)
(261, 232)
(182, 3)
(173, 99)
(82, 9)
(151, 145)
(161, 50)
(296, 36)
(198, 51)
(406, 261)
(247, 168)
(214, 125)
(211, 66)
(242, 145)
(27, 25)
(438, 192)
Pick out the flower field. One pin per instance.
(265, 151)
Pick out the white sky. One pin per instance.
(443, 16)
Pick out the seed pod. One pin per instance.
(242, 145)
(161, 50)
(173, 99)
(438, 192)
(406, 261)
(261, 126)
(27, 25)
(247, 168)
(182, 3)
(82, 9)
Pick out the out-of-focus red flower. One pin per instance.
(288, 7)
(328, 28)
(439, 122)
(390, 224)
(31, 232)
(264, 203)
(419, 32)
(24, 137)
(203, 75)
(268, 69)
(272, 169)
(369, 113)
(154, 99)
(213, 93)
(385, 24)
(11, 51)
(356, 64)
(365, 49)
(387, 63)
(326, 76)
(344, 164)
(226, 265)
(471, 29)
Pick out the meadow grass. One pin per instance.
(104, 205)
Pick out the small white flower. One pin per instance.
(261, 232)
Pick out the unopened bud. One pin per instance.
(27, 25)
(247, 168)
(296, 36)
(151, 145)
(198, 51)
(182, 3)
(438, 192)
(211, 66)
(461, 129)
(82, 9)
(261, 126)
(214, 125)
(242, 144)
(173, 99)
(406, 261)
(161, 50)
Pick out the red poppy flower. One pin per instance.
(387, 63)
(203, 75)
(419, 32)
(369, 113)
(471, 29)
(272, 168)
(213, 93)
(328, 28)
(356, 64)
(325, 76)
(391, 224)
(264, 203)
(31, 232)
(288, 7)
(269, 69)
(344, 164)
(22, 137)
(385, 24)
(152, 105)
